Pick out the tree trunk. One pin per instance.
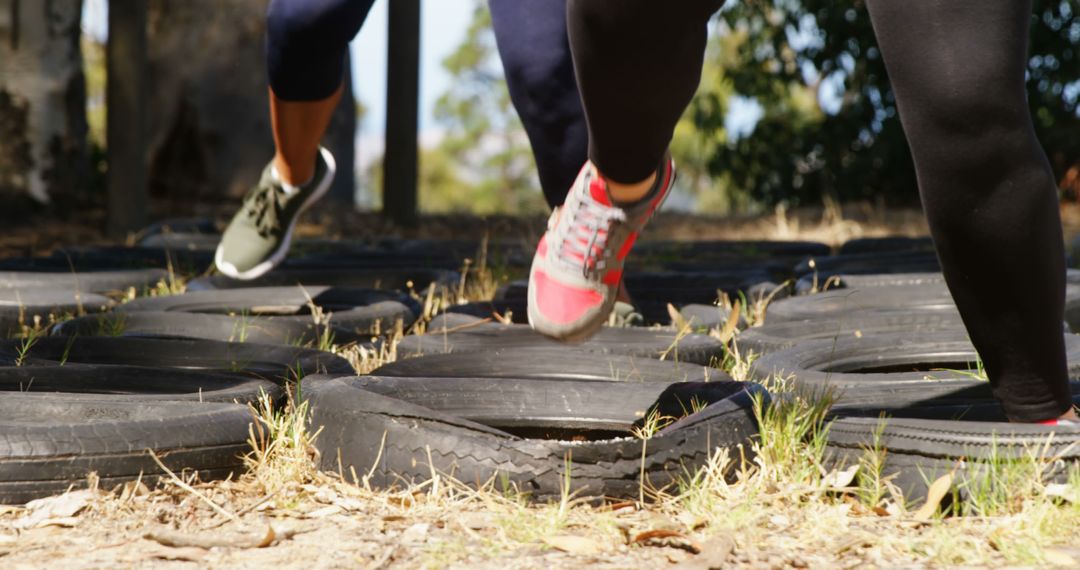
(209, 127)
(42, 102)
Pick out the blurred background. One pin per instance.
(793, 114)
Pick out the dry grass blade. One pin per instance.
(937, 492)
(183, 485)
(727, 332)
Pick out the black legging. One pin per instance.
(306, 43)
(957, 69)
(531, 36)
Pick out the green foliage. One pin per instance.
(790, 52)
(483, 163)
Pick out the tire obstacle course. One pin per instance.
(474, 396)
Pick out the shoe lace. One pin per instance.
(267, 208)
(587, 233)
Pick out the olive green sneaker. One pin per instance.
(258, 236)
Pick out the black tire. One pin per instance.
(88, 258)
(517, 309)
(392, 436)
(272, 362)
(779, 335)
(889, 370)
(648, 343)
(877, 263)
(931, 297)
(805, 284)
(173, 226)
(726, 252)
(21, 306)
(652, 292)
(892, 244)
(391, 279)
(358, 311)
(205, 243)
(947, 439)
(36, 275)
(705, 317)
(224, 328)
(51, 443)
(453, 322)
(843, 302)
(134, 384)
(549, 363)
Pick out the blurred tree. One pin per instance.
(42, 104)
(829, 123)
(483, 162)
(209, 118)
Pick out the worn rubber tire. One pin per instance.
(517, 309)
(551, 363)
(19, 306)
(359, 311)
(51, 443)
(636, 341)
(34, 276)
(272, 362)
(392, 279)
(843, 302)
(118, 383)
(393, 438)
(898, 262)
(805, 284)
(930, 297)
(891, 244)
(224, 328)
(920, 450)
(865, 370)
(779, 335)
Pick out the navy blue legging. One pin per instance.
(307, 40)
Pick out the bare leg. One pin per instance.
(298, 127)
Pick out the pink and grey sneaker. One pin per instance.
(578, 264)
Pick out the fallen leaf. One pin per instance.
(573, 544)
(159, 552)
(131, 489)
(714, 554)
(64, 522)
(648, 535)
(841, 479)
(323, 512)
(58, 507)
(938, 490)
(349, 504)
(169, 537)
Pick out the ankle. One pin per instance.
(293, 173)
(628, 193)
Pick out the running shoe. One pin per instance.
(575, 275)
(259, 235)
